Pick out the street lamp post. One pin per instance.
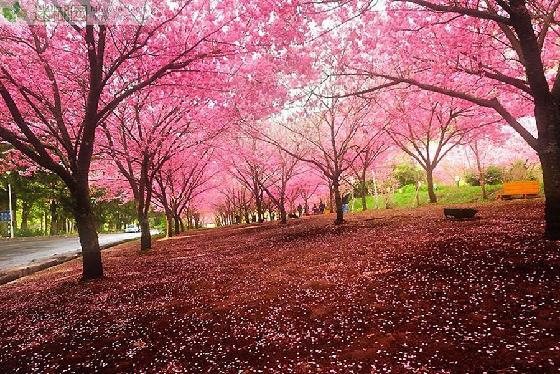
(12, 234)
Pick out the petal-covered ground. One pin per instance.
(399, 291)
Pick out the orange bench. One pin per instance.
(520, 189)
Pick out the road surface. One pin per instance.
(22, 251)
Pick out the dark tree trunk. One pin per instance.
(142, 216)
(547, 115)
(177, 220)
(189, 219)
(483, 185)
(363, 191)
(331, 193)
(169, 223)
(146, 236)
(85, 222)
(480, 169)
(260, 210)
(550, 161)
(430, 180)
(25, 208)
(283, 214)
(338, 204)
(46, 221)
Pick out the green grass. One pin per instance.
(405, 197)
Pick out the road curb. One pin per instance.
(23, 271)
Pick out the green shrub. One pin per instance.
(493, 175)
(407, 174)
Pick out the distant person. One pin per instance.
(345, 201)
(300, 210)
(321, 207)
(315, 210)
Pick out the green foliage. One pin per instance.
(493, 175)
(47, 205)
(111, 214)
(12, 12)
(28, 232)
(404, 197)
(407, 173)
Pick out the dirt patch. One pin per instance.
(399, 291)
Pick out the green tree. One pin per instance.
(407, 173)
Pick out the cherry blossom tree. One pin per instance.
(235, 203)
(375, 142)
(141, 138)
(186, 176)
(249, 169)
(283, 168)
(328, 138)
(426, 127)
(480, 143)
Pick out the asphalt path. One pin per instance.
(23, 251)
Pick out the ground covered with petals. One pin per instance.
(399, 291)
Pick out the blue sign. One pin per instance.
(5, 216)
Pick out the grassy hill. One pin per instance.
(405, 196)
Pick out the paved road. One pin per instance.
(22, 251)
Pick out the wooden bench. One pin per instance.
(520, 189)
(459, 213)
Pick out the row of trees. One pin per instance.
(61, 85)
(42, 205)
(122, 103)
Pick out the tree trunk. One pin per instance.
(146, 236)
(331, 197)
(483, 186)
(142, 216)
(176, 220)
(480, 169)
(168, 223)
(550, 161)
(283, 215)
(25, 208)
(189, 219)
(364, 193)
(46, 220)
(430, 181)
(338, 204)
(181, 224)
(260, 210)
(85, 222)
